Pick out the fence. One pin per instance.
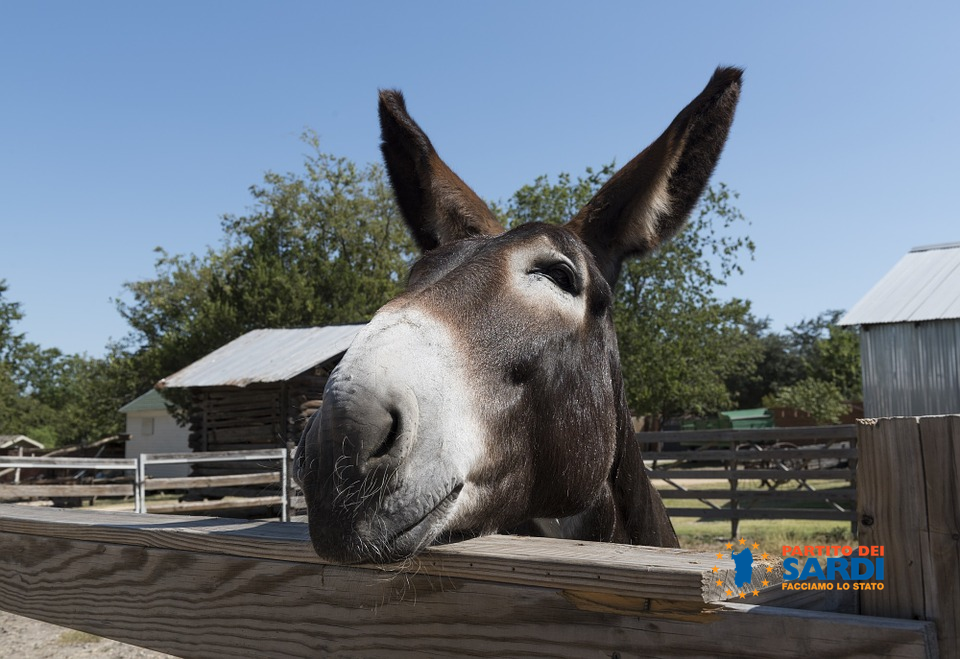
(139, 483)
(782, 461)
(205, 587)
(26, 490)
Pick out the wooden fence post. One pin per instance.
(734, 503)
(909, 502)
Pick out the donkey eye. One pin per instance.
(562, 275)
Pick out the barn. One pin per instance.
(256, 391)
(910, 335)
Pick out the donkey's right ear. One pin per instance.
(437, 206)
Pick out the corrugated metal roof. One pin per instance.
(151, 401)
(267, 355)
(923, 285)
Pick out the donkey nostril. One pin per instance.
(391, 437)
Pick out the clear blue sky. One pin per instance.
(131, 125)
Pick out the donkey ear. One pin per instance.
(648, 201)
(437, 206)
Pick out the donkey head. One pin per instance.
(489, 393)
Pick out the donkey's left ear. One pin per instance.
(436, 204)
(648, 201)
(641, 515)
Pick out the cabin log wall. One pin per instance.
(258, 416)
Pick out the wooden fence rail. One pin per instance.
(24, 490)
(782, 460)
(280, 455)
(205, 587)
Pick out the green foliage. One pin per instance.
(678, 341)
(822, 400)
(326, 246)
(48, 396)
(836, 359)
(816, 348)
(778, 365)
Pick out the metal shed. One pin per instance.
(256, 391)
(910, 335)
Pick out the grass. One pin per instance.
(73, 637)
(771, 535)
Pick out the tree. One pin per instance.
(779, 365)
(821, 400)
(836, 359)
(20, 413)
(813, 366)
(678, 342)
(52, 397)
(10, 313)
(323, 247)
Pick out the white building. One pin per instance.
(153, 429)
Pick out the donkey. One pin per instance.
(488, 396)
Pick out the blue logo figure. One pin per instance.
(744, 567)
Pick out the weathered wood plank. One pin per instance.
(940, 445)
(891, 466)
(237, 503)
(754, 474)
(261, 433)
(710, 514)
(598, 567)
(212, 456)
(265, 445)
(78, 490)
(187, 482)
(909, 479)
(27, 462)
(747, 456)
(197, 604)
(760, 496)
(824, 433)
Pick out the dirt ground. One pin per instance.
(26, 638)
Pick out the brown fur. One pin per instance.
(560, 442)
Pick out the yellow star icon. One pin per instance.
(729, 545)
(764, 555)
(742, 595)
(719, 582)
(729, 592)
(742, 541)
(769, 568)
(719, 555)
(716, 569)
(756, 592)
(765, 582)
(756, 545)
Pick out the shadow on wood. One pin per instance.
(207, 587)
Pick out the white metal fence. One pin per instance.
(141, 483)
